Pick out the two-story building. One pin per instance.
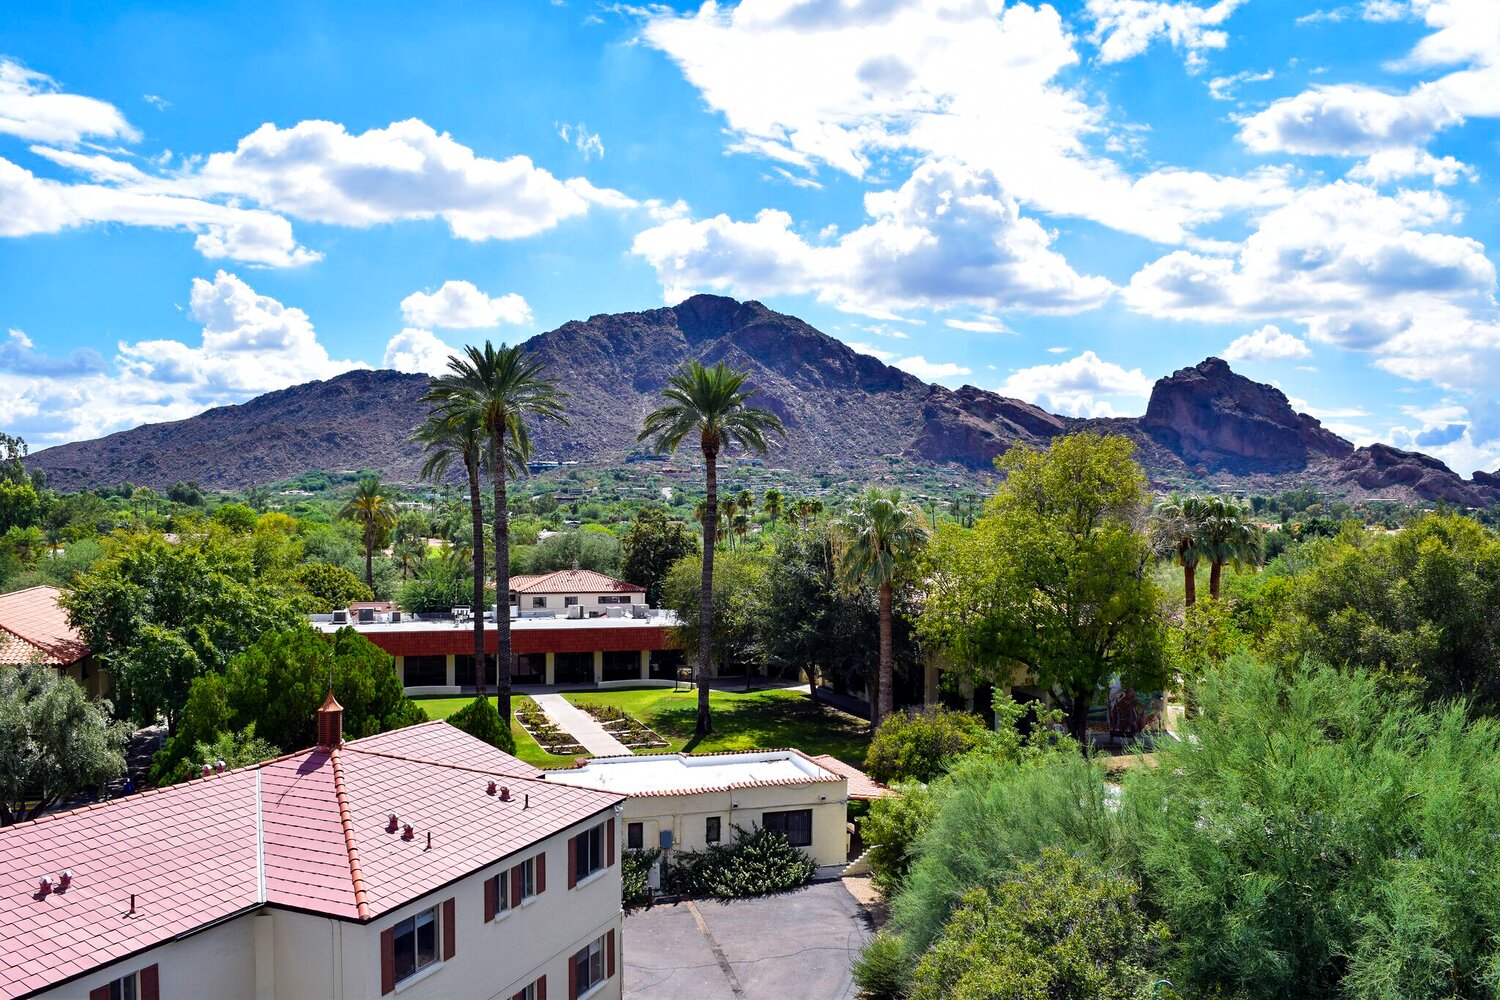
(417, 863)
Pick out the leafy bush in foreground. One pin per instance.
(635, 866)
(917, 746)
(480, 718)
(757, 863)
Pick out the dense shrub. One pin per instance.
(1060, 927)
(330, 587)
(480, 718)
(884, 969)
(918, 746)
(756, 863)
(635, 867)
(892, 829)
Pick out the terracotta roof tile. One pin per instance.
(861, 785)
(572, 581)
(33, 626)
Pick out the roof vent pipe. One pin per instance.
(207, 770)
(392, 824)
(407, 832)
(526, 801)
(491, 789)
(65, 878)
(45, 885)
(504, 793)
(429, 840)
(219, 766)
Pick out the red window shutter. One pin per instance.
(609, 851)
(150, 983)
(388, 961)
(572, 978)
(491, 898)
(541, 988)
(541, 874)
(515, 886)
(609, 953)
(99, 992)
(572, 862)
(448, 928)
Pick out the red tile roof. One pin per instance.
(572, 581)
(307, 831)
(861, 785)
(34, 627)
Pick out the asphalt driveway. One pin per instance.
(788, 947)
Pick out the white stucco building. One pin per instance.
(420, 863)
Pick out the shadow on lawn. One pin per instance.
(782, 723)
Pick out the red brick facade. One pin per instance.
(530, 641)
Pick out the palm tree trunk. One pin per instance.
(886, 700)
(1213, 579)
(1190, 584)
(476, 520)
(370, 556)
(502, 575)
(706, 595)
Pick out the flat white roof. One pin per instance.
(666, 620)
(679, 774)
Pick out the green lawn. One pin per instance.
(757, 720)
(527, 749)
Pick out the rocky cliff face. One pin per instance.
(1379, 467)
(1213, 417)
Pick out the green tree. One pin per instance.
(330, 587)
(1178, 529)
(481, 720)
(236, 517)
(878, 538)
(1229, 536)
(919, 746)
(708, 403)
(735, 611)
(502, 388)
(21, 506)
(652, 545)
(772, 504)
(54, 742)
(370, 507)
(1058, 927)
(160, 614)
(1052, 578)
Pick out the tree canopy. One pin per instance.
(54, 742)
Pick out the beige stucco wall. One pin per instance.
(588, 600)
(276, 954)
(685, 815)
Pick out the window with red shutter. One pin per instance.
(450, 928)
(609, 955)
(541, 988)
(572, 862)
(150, 983)
(516, 884)
(387, 961)
(609, 837)
(99, 992)
(491, 899)
(541, 873)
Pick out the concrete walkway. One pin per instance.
(580, 725)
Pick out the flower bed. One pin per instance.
(542, 729)
(623, 727)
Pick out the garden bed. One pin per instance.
(622, 726)
(546, 732)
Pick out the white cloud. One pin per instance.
(319, 171)
(249, 344)
(930, 371)
(947, 237)
(981, 324)
(31, 204)
(1449, 432)
(32, 108)
(1404, 162)
(1058, 350)
(1266, 344)
(871, 350)
(460, 305)
(1124, 29)
(156, 101)
(586, 142)
(1084, 386)
(972, 81)
(417, 350)
(1222, 88)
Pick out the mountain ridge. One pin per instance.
(845, 413)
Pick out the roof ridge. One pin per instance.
(440, 763)
(346, 820)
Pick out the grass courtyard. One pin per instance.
(752, 720)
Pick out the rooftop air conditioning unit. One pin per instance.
(341, 617)
(639, 611)
(395, 616)
(366, 615)
(576, 611)
(614, 612)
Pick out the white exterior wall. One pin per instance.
(685, 816)
(586, 599)
(303, 956)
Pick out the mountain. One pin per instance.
(846, 413)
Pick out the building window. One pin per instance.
(570, 601)
(614, 599)
(711, 830)
(526, 880)
(796, 824)
(125, 988)
(532, 991)
(538, 602)
(635, 836)
(588, 848)
(588, 964)
(416, 943)
(425, 671)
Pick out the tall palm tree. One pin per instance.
(371, 508)
(771, 504)
(710, 403)
(503, 387)
(1229, 536)
(878, 537)
(1177, 527)
(452, 433)
(728, 508)
(746, 501)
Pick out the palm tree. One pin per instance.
(453, 433)
(771, 504)
(710, 403)
(502, 387)
(878, 537)
(1229, 536)
(372, 509)
(746, 501)
(411, 552)
(728, 508)
(1177, 527)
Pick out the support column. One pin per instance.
(401, 670)
(550, 667)
(645, 664)
(598, 665)
(452, 680)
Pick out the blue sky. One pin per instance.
(1058, 202)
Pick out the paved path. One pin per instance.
(798, 944)
(580, 725)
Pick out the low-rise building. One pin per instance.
(419, 862)
(34, 628)
(686, 802)
(593, 594)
